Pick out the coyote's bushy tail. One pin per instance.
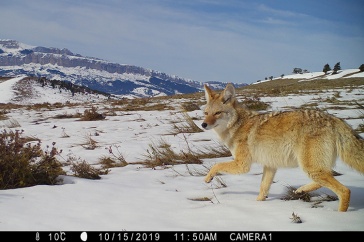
(350, 147)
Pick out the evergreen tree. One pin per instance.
(297, 70)
(326, 68)
(337, 67)
(361, 67)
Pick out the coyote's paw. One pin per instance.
(261, 197)
(298, 191)
(208, 178)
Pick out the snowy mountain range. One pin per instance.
(119, 79)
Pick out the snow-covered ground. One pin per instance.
(7, 89)
(164, 199)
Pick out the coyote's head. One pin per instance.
(220, 110)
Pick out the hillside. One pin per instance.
(309, 81)
(29, 90)
(311, 76)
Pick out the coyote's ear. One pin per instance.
(208, 93)
(229, 93)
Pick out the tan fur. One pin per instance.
(309, 139)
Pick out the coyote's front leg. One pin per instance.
(237, 166)
(267, 179)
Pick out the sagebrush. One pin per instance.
(24, 163)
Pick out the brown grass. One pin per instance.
(254, 103)
(184, 124)
(140, 104)
(191, 106)
(161, 154)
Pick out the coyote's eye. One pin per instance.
(217, 113)
(206, 113)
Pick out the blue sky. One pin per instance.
(203, 40)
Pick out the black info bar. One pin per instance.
(171, 236)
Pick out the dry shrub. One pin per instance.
(114, 160)
(201, 199)
(107, 162)
(292, 195)
(162, 154)
(190, 106)
(66, 115)
(3, 114)
(254, 103)
(83, 169)
(92, 115)
(23, 164)
(360, 128)
(306, 197)
(90, 143)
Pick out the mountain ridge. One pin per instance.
(120, 79)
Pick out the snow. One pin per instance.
(360, 74)
(14, 47)
(6, 89)
(308, 75)
(163, 199)
(343, 73)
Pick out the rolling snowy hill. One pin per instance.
(310, 76)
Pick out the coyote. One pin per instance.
(309, 139)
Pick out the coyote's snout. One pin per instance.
(309, 139)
